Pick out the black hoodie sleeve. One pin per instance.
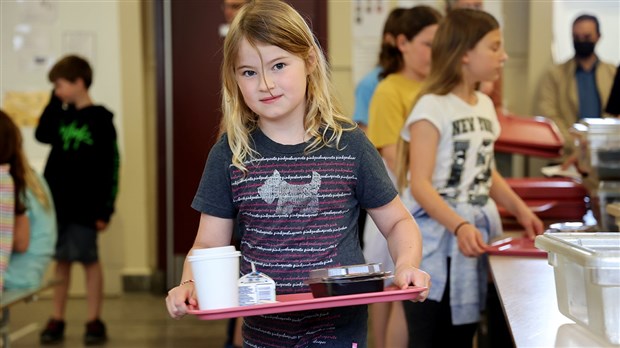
(47, 130)
(109, 161)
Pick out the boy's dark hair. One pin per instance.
(588, 17)
(72, 68)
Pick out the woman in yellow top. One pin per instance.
(389, 107)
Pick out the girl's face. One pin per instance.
(66, 90)
(276, 89)
(417, 53)
(485, 61)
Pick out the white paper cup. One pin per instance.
(215, 279)
(212, 251)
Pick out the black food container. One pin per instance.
(347, 280)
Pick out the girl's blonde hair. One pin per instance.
(459, 32)
(276, 23)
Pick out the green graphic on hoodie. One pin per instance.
(78, 135)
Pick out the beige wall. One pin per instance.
(339, 27)
(136, 202)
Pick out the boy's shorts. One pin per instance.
(77, 243)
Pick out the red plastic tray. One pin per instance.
(567, 210)
(535, 133)
(526, 150)
(520, 246)
(547, 188)
(305, 301)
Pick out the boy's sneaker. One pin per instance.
(54, 332)
(95, 332)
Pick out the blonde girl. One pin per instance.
(453, 184)
(289, 168)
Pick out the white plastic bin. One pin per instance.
(587, 278)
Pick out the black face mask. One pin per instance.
(583, 49)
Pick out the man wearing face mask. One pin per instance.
(578, 88)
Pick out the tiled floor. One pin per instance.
(133, 321)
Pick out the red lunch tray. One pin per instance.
(535, 132)
(519, 246)
(525, 150)
(534, 136)
(552, 209)
(305, 301)
(547, 188)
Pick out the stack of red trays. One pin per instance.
(531, 136)
(551, 199)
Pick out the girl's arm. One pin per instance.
(506, 197)
(212, 232)
(404, 242)
(21, 233)
(422, 151)
(401, 232)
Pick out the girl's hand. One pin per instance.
(180, 300)
(470, 241)
(531, 223)
(570, 160)
(407, 275)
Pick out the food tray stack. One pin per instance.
(551, 199)
(526, 135)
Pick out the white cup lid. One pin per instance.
(234, 254)
(213, 251)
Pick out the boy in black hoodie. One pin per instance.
(82, 172)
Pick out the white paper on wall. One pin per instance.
(42, 12)
(367, 19)
(32, 42)
(81, 43)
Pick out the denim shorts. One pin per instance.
(77, 243)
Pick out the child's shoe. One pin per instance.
(54, 332)
(95, 332)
